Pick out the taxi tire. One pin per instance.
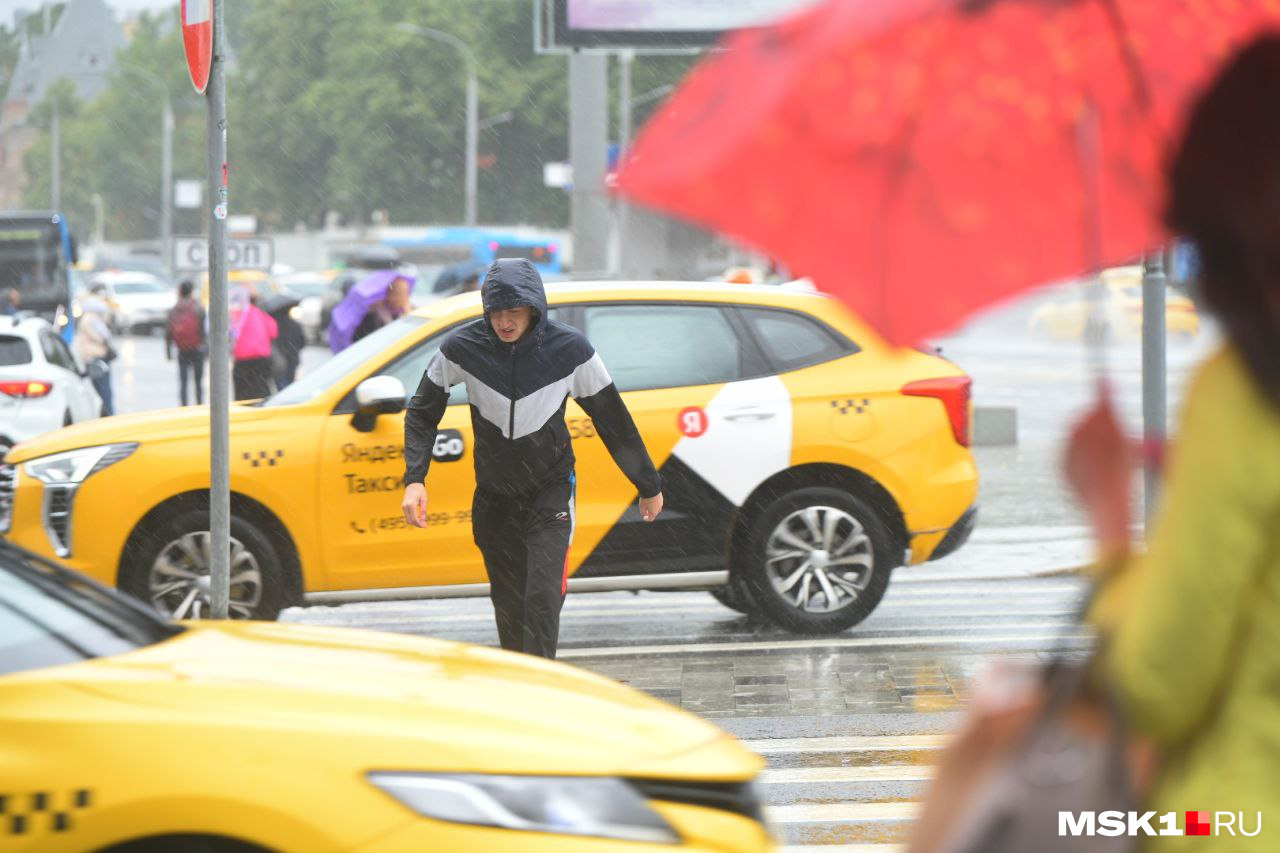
(784, 613)
(134, 575)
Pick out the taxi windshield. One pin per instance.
(322, 378)
(49, 616)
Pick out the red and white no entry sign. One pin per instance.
(197, 40)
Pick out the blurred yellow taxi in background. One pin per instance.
(1121, 311)
(257, 282)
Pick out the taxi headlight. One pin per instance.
(601, 807)
(74, 466)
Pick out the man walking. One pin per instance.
(520, 368)
(185, 332)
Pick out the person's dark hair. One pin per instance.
(1224, 193)
(185, 289)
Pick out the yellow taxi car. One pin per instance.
(123, 733)
(1121, 311)
(256, 282)
(802, 461)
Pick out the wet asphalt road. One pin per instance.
(850, 725)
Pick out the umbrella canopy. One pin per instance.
(359, 299)
(926, 158)
(276, 302)
(451, 277)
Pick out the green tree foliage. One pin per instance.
(10, 47)
(332, 107)
(112, 146)
(340, 110)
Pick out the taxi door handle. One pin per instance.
(749, 413)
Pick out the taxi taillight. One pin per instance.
(953, 392)
(25, 388)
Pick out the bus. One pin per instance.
(37, 252)
(432, 250)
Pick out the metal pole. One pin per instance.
(55, 201)
(98, 225)
(219, 346)
(625, 58)
(473, 138)
(166, 185)
(588, 138)
(1154, 402)
(166, 159)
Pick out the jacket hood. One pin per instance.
(512, 283)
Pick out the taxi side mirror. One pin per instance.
(377, 395)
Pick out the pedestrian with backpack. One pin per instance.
(186, 332)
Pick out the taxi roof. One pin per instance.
(602, 291)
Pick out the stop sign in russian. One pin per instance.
(197, 40)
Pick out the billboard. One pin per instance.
(657, 24)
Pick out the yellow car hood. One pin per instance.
(189, 422)
(399, 702)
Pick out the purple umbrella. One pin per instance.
(357, 303)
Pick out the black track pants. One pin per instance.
(525, 543)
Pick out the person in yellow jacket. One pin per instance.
(1191, 629)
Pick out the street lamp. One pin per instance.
(55, 156)
(55, 178)
(472, 87)
(166, 158)
(98, 217)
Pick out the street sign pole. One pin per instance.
(166, 168)
(1154, 375)
(219, 339)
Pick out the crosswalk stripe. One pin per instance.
(846, 743)
(915, 596)
(844, 848)
(886, 773)
(883, 615)
(842, 812)
(1048, 634)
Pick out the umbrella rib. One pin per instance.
(1142, 91)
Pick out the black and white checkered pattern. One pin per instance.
(262, 457)
(845, 406)
(30, 813)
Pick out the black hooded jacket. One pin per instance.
(517, 394)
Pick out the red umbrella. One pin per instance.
(925, 158)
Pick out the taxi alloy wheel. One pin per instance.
(171, 570)
(819, 561)
(180, 581)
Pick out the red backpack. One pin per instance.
(184, 327)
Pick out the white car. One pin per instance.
(141, 300)
(43, 386)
